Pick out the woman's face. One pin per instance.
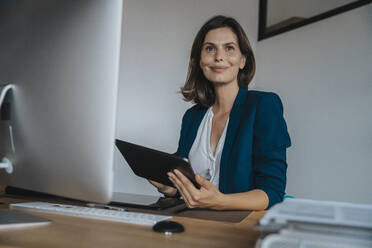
(221, 58)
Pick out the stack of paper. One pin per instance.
(317, 224)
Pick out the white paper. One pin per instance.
(277, 240)
(321, 212)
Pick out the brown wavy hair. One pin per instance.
(199, 89)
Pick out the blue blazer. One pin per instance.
(254, 153)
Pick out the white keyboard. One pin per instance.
(92, 213)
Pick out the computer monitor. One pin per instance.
(63, 58)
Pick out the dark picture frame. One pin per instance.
(265, 32)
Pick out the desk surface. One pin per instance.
(65, 231)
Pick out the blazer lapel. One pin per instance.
(193, 129)
(232, 128)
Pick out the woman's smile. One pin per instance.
(218, 69)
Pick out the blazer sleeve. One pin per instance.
(270, 140)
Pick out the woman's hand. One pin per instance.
(208, 196)
(164, 189)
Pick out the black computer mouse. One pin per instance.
(168, 227)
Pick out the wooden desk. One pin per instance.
(67, 231)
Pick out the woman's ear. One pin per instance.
(242, 61)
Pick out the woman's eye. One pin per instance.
(230, 48)
(209, 48)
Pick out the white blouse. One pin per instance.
(201, 157)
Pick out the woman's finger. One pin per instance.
(164, 189)
(181, 192)
(203, 182)
(186, 183)
(156, 184)
(185, 194)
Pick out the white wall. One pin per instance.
(157, 39)
(323, 74)
(321, 71)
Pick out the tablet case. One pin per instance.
(154, 165)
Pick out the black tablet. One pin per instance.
(154, 165)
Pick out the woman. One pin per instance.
(234, 138)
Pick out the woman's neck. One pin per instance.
(225, 97)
